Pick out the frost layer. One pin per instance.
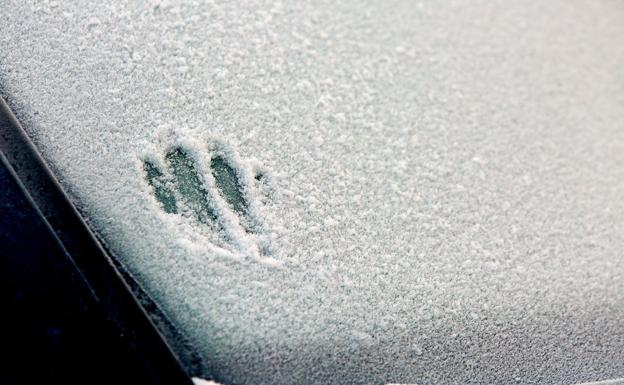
(417, 192)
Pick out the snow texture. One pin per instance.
(615, 381)
(413, 192)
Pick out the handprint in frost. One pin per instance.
(180, 188)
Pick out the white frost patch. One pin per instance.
(200, 381)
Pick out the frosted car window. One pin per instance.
(347, 192)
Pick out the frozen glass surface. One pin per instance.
(347, 191)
